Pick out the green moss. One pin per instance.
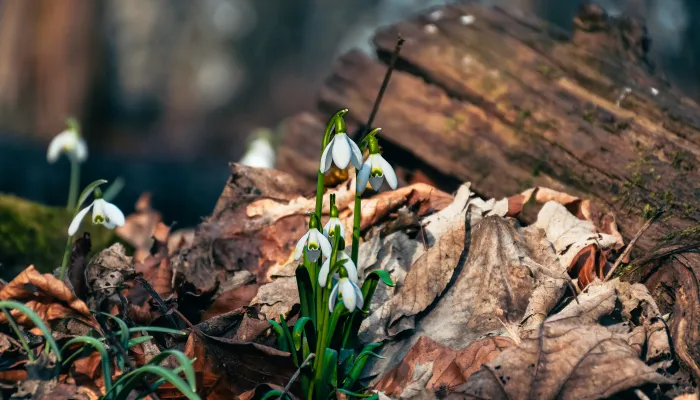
(692, 232)
(648, 211)
(31, 233)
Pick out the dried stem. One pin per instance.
(632, 242)
(385, 83)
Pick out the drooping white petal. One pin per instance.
(349, 266)
(109, 225)
(389, 173)
(356, 153)
(375, 162)
(75, 224)
(81, 151)
(333, 297)
(300, 246)
(98, 210)
(328, 227)
(327, 156)
(323, 273)
(62, 141)
(348, 293)
(326, 247)
(358, 293)
(341, 151)
(363, 177)
(114, 214)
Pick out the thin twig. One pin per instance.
(161, 304)
(296, 374)
(632, 242)
(382, 89)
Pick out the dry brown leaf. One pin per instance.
(139, 227)
(429, 276)
(232, 299)
(571, 236)
(571, 356)
(242, 364)
(589, 264)
(508, 274)
(46, 295)
(450, 368)
(13, 375)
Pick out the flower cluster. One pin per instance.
(341, 151)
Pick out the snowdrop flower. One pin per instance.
(375, 169)
(69, 142)
(314, 242)
(349, 269)
(103, 212)
(351, 293)
(329, 228)
(260, 152)
(341, 150)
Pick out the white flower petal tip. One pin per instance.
(68, 142)
(77, 220)
(300, 246)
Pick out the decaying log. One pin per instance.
(509, 102)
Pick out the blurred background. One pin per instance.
(168, 91)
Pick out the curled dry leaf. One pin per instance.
(579, 244)
(50, 298)
(571, 356)
(450, 368)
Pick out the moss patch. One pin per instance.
(31, 233)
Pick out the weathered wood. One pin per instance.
(509, 102)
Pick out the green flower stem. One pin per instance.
(74, 182)
(324, 316)
(320, 187)
(66, 257)
(19, 334)
(356, 220)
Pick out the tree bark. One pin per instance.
(509, 102)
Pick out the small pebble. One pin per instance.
(430, 28)
(435, 15)
(654, 91)
(466, 19)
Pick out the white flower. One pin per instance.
(374, 170)
(69, 142)
(103, 212)
(343, 150)
(260, 154)
(329, 229)
(349, 267)
(351, 293)
(315, 244)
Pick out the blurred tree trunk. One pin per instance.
(47, 62)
